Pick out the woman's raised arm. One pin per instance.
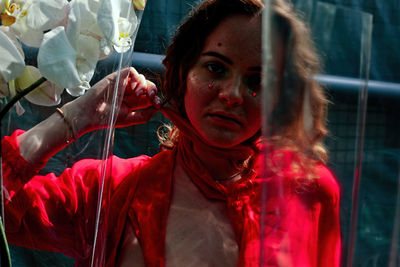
(90, 112)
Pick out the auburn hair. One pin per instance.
(297, 120)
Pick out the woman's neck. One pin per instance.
(196, 153)
(219, 167)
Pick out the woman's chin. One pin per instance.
(222, 140)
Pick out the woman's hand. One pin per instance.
(139, 102)
(92, 110)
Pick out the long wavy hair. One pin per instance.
(293, 124)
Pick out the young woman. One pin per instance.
(199, 201)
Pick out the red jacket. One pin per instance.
(301, 227)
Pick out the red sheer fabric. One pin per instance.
(300, 224)
(57, 213)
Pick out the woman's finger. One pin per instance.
(157, 102)
(151, 90)
(137, 102)
(132, 80)
(141, 87)
(137, 117)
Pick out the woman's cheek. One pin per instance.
(254, 108)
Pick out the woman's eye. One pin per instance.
(254, 83)
(216, 68)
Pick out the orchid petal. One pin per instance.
(26, 34)
(57, 59)
(126, 10)
(107, 16)
(124, 42)
(74, 23)
(44, 15)
(86, 59)
(77, 91)
(88, 53)
(15, 16)
(47, 94)
(139, 4)
(88, 10)
(105, 48)
(119, 22)
(82, 20)
(11, 35)
(12, 62)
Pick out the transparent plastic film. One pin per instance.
(114, 100)
(69, 120)
(365, 51)
(302, 186)
(290, 126)
(343, 37)
(363, 151)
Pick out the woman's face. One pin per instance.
(223, 93)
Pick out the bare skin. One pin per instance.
(225, 116)
(199, 232)
(88, 113)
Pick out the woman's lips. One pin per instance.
(225, 118)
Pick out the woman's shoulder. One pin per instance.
(327, 184)
(122, 166)
(141, 166)
(301, 173)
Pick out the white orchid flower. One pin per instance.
(12, 60)
(57, 59)
(119, 23)
(15, 76)
(69, 57)
(29, 18)
(47, 94)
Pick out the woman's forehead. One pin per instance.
(237, 36)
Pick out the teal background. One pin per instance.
(381, 155)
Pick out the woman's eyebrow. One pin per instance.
(218, 55)
(227, 60)
(256, 68)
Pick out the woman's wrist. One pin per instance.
(71, 133)
(45, 139)
(77, 118)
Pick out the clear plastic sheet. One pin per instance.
(365, 161)
(343, 37)
(98, 144)
(364, 153)
(115, 98)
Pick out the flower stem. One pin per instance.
(20, 95)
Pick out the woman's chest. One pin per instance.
(198, 231)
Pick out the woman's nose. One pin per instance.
(230, 92)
